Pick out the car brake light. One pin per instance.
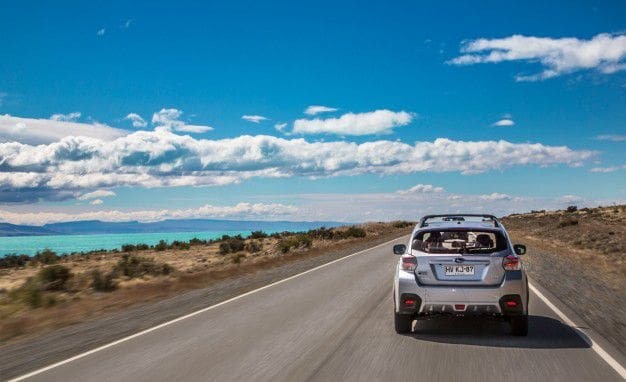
(511, 304)
(409, 302)
(511, 263)
(409, 263)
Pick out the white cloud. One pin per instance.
(611, 137)
(101, 32)
(280, 127)
(161, 158)
(43, 131)
(253, 118)
(422, 189)
(71, 117)
(269, 211)
(608, 169)
(96, 202)
(373, 122)
(317, 109)
(96, 194)
(505, 122)
(169, 119)
(569, 199)
(604, 53)
(136, 120)
(496, 196)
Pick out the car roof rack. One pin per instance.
(458, 218)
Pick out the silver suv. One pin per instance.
(460, 265)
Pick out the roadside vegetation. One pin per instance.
(579, 255)
(49, 290)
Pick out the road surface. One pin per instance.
(335, 323)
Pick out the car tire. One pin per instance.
(519, 325)
(403, 323)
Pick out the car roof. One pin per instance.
(479, 226)
(459, 222)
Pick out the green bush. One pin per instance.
(401, 224)
(102, 282)
(179, 245)
(161, 246)
(29, 293)
(353, 231)
(295, 241)
(136, 266)
(257, 235)
(572, 209)
(54, 277)
(46, 256)
(14, 261)
(567, 222)
(233, 244)
(128, 247)
(253, 246)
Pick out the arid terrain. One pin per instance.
(50, 291)
(579, 255)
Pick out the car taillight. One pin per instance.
(409, 263)
(511, 263)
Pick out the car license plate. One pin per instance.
(459, 270)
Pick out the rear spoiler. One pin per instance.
(459, 217)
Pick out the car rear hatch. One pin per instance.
(474, 270)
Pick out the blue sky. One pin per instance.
(454, 69)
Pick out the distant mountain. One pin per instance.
(7, 229)
(90, 227)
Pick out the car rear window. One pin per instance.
(459, 241)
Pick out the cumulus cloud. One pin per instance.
(422, 189)
(505, 122)
(373, 122)
(43, 131)
(71, 117)
(608, 169)
(570, 199)
(611, 137)
(161, 158)
(604, 53)
(496, 196)
(253, 118)
(239, 211)
(280, 127)
(136, 120)
(96, 202)
(169, 119)
(96, 194)
(317, 109)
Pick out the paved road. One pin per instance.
(335, 323)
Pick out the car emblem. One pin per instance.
(459, 260)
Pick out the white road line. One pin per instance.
(146, 331)
(597, 348)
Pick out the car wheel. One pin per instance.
(519, 325)
(403, 323)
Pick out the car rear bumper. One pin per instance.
(464, 300)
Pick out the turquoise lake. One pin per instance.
(29, 245)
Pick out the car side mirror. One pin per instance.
(519, 249)
(399, 249)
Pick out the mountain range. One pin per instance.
(91, 227)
